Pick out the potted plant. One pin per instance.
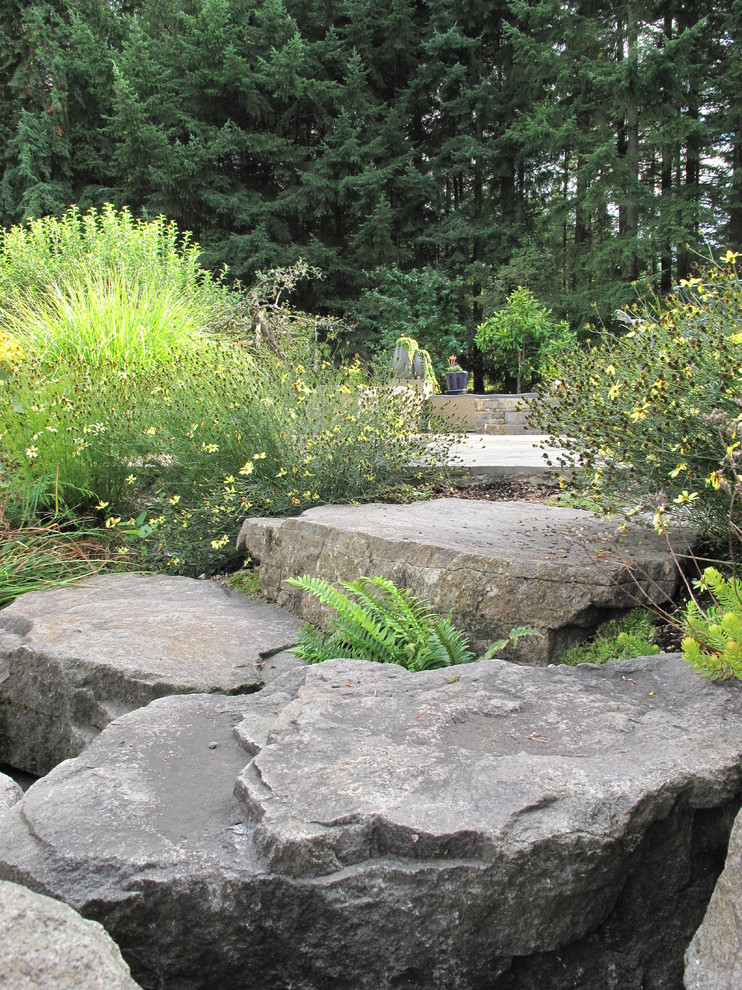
(456, 377)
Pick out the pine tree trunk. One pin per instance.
(632, 148)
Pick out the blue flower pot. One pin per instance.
(456, 382)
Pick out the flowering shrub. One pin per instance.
(655, 415)
(174, 458)
(127, 396)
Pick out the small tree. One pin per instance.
(522, 336)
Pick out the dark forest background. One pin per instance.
(427, 155)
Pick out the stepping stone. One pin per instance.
(45, 945)
(72, 659)
(10, 792)
(360, 827)
(714, 959)
(493, 565)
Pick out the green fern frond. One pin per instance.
(381, 608)
(454, 641)
(314, 646)
(375, 620)
(401, 603)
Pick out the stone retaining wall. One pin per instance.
(496, 414)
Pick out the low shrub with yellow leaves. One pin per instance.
(654, 415)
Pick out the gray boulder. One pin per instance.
(10, 792)
(45, 945)
(355, 826)
(72, 659)
(494, 565)
(714, 959)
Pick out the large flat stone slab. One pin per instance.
(497, 828)
(493, 565)
(45, 945)
(72, 659)
(714, 959)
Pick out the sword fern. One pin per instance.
(375, 620)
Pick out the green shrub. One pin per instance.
(713, 640)
(522, 337)
(282, 447)
(630, 636)
(654, 415)
(201, 443)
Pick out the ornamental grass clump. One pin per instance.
(103, 318)
(106, 288)
(35, 557)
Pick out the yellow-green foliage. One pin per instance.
(630, 636)
(713, 641)
(654, 414)
(198, 445)
(106, 288)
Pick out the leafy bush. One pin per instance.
(713, 641)
(523, 338)
(654, 415)
(106, 288)
(377, 621)
(630, 636)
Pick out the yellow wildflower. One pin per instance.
(714, 479)
(685, 497)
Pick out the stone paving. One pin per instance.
(484, 458)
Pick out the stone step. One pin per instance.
(72, 659)
(492, 565)
(505, 827)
